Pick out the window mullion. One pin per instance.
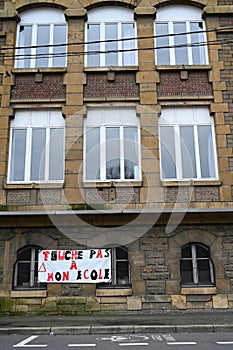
(194, 263)
(122, 155)
(197, 150)
(114, 266)
(27, 169)
(51, 48)
(32, 268)
(178, 160)
(120, 44)
(102, 45)
(46, 153)
(171, 43)
(189, 43)
(103, 150)
(33, 43)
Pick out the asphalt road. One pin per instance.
(181, 341)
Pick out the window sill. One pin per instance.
(33, 185)
(112, 184)
(40, 70)
(29, 293)
(189, 183)
(198, 290)
(184, 67)
(111, 68)
(113, 292)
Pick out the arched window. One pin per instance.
(111, 37)
(180, 36)
(41, 39)
(196, 266)
(120, 269)
(26, 270)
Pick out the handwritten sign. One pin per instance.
(74, 266)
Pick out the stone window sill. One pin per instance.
(198, 291)
(33, 186)
(112, 184)
(191, 183)
(40, 70)
(29, 293)
(184, 67)
(113, 292)
(112, 68)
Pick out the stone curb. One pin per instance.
(73, 330)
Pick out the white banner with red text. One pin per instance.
(74, 266)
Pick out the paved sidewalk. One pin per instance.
(161, 322)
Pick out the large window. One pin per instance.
(187, 144)
(196, 267)
(26, 270)
(41, 39)
(112, 145)
(180, 36)
(110, 34)
(36, 147)
(120, 269)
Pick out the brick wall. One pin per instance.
(113, 84)
(192, 83)
(38, 86)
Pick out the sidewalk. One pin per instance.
(161, 322)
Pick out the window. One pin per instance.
(36, 147)
(110, 34)
(196, 267)
(187, 144)
(26, 270)
(112, 149)
(180, 36)
(120, 269)
(41, 39)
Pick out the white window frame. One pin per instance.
(114, 15)
(186, 14)
(33, 18)
(25, 120)
(120, 118)
(187, 116)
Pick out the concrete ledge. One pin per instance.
(223, 327)
(111, 329)
(194, 328)
(155, 329)
(30, 330)
(70, 330)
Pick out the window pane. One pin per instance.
(92, 153)
(131, 153)
(93, 34)
(59, 52)
(56, 154)
(187, 252)
(25, 41)
(203, 271)
(121, 254)
(25, 255)
(38, 154)
(122, 272)
(180, 41)
(206, 151)
(18, 152)
(111, 34)
(42, 59)
(186, 271)
(167, 144)
(128, 58)
(202, 252)
(162, 44)
(113, 153)
(188, 152)
(198, 40)
(23, 278)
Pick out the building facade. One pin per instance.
(116, 132)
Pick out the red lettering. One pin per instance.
(46, 254)
(50, 277)
(73, 266)
(100, 274)
(61, 255)
(74, 254)
(65, 276)
(85, 274)
(99, 254)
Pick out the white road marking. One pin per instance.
(182, 343)
(133, 344)
(224, 342)
(24, 343)
(81, 345)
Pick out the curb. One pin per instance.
(73, 330)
